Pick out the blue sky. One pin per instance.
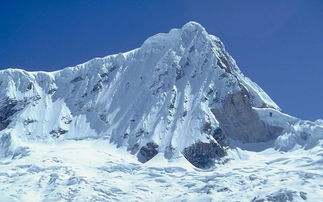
(278, 44)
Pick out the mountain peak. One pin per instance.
(179, 94)
(178, 98)
(176, 37)
(193, 26)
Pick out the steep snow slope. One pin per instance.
(179, 92)
(179, 96)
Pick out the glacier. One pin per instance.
(174, 120)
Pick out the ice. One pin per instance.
(96, 170)
(82, 133)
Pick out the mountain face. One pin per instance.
(174, 120)
(179, 94)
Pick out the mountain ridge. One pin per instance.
(173, 120)
(180, 93)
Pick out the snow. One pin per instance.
(73, 134)
(106, 94)
(95, 170)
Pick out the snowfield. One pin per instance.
(94, 170)
(174, 120)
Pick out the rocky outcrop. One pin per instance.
(216, 133)
(204, 155)
(240, 122)
(7, 109)
(147, 152)
(5, 143)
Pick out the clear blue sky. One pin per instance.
(278, 44)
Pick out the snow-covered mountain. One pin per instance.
(180, 97)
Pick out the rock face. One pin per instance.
(5, 143)
(203, 155)
(147, 152)
(180, 94)
(240, 122)
(8, 109)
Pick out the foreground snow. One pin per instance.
(94, 170)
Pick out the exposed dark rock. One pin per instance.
(224, 189)
(172, 103)
(134, 148)
(216, 133)
(162, 75)
(58, 132)
(240, 122)
(220, 137)
(62, 131)
(220, 64)
(169, 152)
(141, 132)
(303, 195)
(223, 63)
(53, 178)
(36, 98)
(114, 67)
(77, 79)
(5, 142)
(66, 120)
(125, 135)
(194, 74)
(29, 121)
(103, 75)
(179, 73)
(204, 155)
(192, 48)
(104, 118)
(127, 85)
(210, 92)
(147, 152)
(207, 128)
(97, 87)
(8, 109)
(224, 75)
(305, 135)
(205, 61)
(52, 91)
(30, 86)
(54, 133)
(256, 199)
